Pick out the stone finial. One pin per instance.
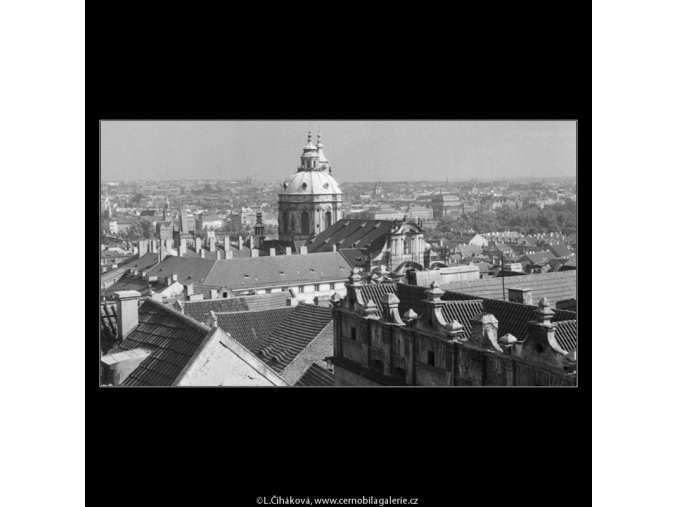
(212, 320)
(507, 339)
(544, 312)
(434, 293)
(355, 278)
(455, 330)
(391, 312)
(410, 315)
(371, 310)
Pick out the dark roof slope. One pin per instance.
(278, 270)
(316, 376)
(251, 328)
(351, 233)
(538, 258)
(109, 326)
(555, 286)
(463, 312)
(355, 257)
(170, 337)
(198, 310)
(187, 269)
(294, 333)
(267, 301)
(566, 334)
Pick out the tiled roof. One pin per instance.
(369, 234)
(294, 333)
(267, 301)
(112, 275)
(555, 286)
(251, 328)
(198, 309)
(566, 334)
(187, 269)
(171, 338)
(375, 291)
(143, 263)
(279, 270)
(109, 326)
(514, 318)
(463, 312)
(354, 256)
(538, 257)
(314, 376)
(560, 250)
(128, 282)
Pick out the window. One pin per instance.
(353, 333)
(327, 219)
(407, 246)
(317, 288)
(305, 223)
(431, 358)
(331, 286)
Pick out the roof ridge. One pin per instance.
(176, 313)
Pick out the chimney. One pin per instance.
(303, 250)
(239, 242)
(518, 295)
(226, 243)
(127, 306)
(203, 253)
(333, 247)
(182, 249)
(195, 297)
(219, 255)
(198, 244)
(151, 244)
(287, 250)
(272, 252)
(174, 278)
(229, 254)
(254, 252)
(213, 294)
(189, 289)
(212, 244)
(143, 247)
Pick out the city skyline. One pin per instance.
(390, 150)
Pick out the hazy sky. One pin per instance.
(357, 150)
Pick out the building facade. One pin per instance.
(445, 342)
(311, 200)
(446, 206)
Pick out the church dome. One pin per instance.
(310, 182)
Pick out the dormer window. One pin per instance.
(304, 186)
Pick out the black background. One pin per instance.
(445, 446)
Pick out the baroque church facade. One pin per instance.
(310, 200)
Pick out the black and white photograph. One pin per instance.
(338, 253)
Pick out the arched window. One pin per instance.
(327, 219)
(284, 225)
(292, 224)
(305, 223)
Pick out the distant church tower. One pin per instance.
(310, 200)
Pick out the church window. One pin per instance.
(431, 358)
(305, 222)
(327, 219)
